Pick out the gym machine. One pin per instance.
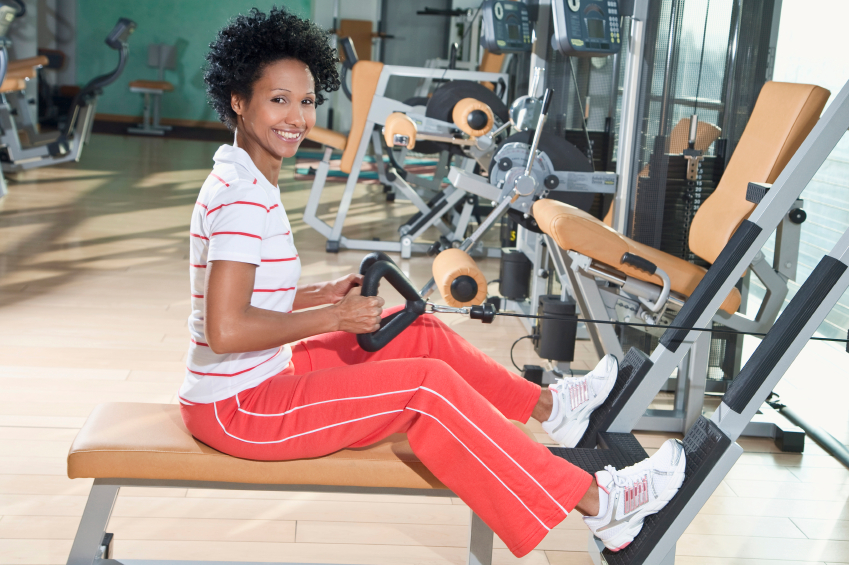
(369, 80)
(709, 443)
(67, 144)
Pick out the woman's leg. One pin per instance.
(515, 485)
(430, 338)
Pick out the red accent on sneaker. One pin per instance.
(621, 547)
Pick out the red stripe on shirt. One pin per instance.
(234, 374)
(219, 178)
(235, 233)
(198, 236)
(254, 181)
(202, 205)
(197, 266)
(273, 207)
(199, 342)
(233, 203)
(197, 296)
(279, 260)
(273, 290)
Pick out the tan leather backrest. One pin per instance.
(783, 117)
(364, 77)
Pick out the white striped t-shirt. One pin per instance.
(238, 217)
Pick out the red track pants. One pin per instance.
(453, 402)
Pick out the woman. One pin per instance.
(249, 394)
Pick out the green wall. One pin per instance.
(190, 24)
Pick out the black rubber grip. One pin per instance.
(546, 100)
(640, 263)
(785, 330)
(375, 267)
(707, 288)
(756, 191)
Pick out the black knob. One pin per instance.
(477, 119)
(505, 164)
(485, 313)
(798, 216)
(464, 288)
(434, 249)
(551, 182)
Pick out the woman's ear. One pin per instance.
(237, 103)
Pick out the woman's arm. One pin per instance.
(232, 325)
(330, 292)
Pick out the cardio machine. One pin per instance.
(43, 150)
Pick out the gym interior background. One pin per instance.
(93, 275)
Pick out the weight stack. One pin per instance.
(683, 199)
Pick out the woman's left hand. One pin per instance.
(338, 289)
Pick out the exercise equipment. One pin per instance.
(146, 445)
(160, 56)
(67, 144)
(370, 108)
(586, 28)
(710, 443)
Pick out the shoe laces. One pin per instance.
(635, 487)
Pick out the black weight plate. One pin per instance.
(442, 102)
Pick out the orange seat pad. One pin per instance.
(575, 230)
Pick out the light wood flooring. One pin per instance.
(94, 297)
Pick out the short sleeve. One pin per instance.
(236, 218)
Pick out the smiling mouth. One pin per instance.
(288, 135)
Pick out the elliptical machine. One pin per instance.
(67, 144)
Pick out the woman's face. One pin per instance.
(281, 110)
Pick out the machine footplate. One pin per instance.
(704, 444)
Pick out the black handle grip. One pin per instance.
(374, 267)
(546, 100)
(639, 263)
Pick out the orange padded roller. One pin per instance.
(458, 278)
(472, 117)
(399, 124)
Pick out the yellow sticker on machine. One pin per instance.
(501, 43)
(578, 42)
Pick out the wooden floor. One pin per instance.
(94, 296)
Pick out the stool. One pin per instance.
(160, 56)
(151, 89)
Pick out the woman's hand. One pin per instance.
(339, 289)
(358, 314)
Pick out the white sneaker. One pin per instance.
(578, 397)
(636, 492)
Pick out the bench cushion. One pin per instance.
(149, 441)
(162, 85)
(575, 230)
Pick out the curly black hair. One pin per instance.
(249, 42)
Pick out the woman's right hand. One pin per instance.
(358, 314)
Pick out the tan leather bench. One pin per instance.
(147, 445)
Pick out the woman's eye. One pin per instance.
(278, 100)
(308, 102)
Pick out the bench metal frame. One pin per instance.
(88, 549)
